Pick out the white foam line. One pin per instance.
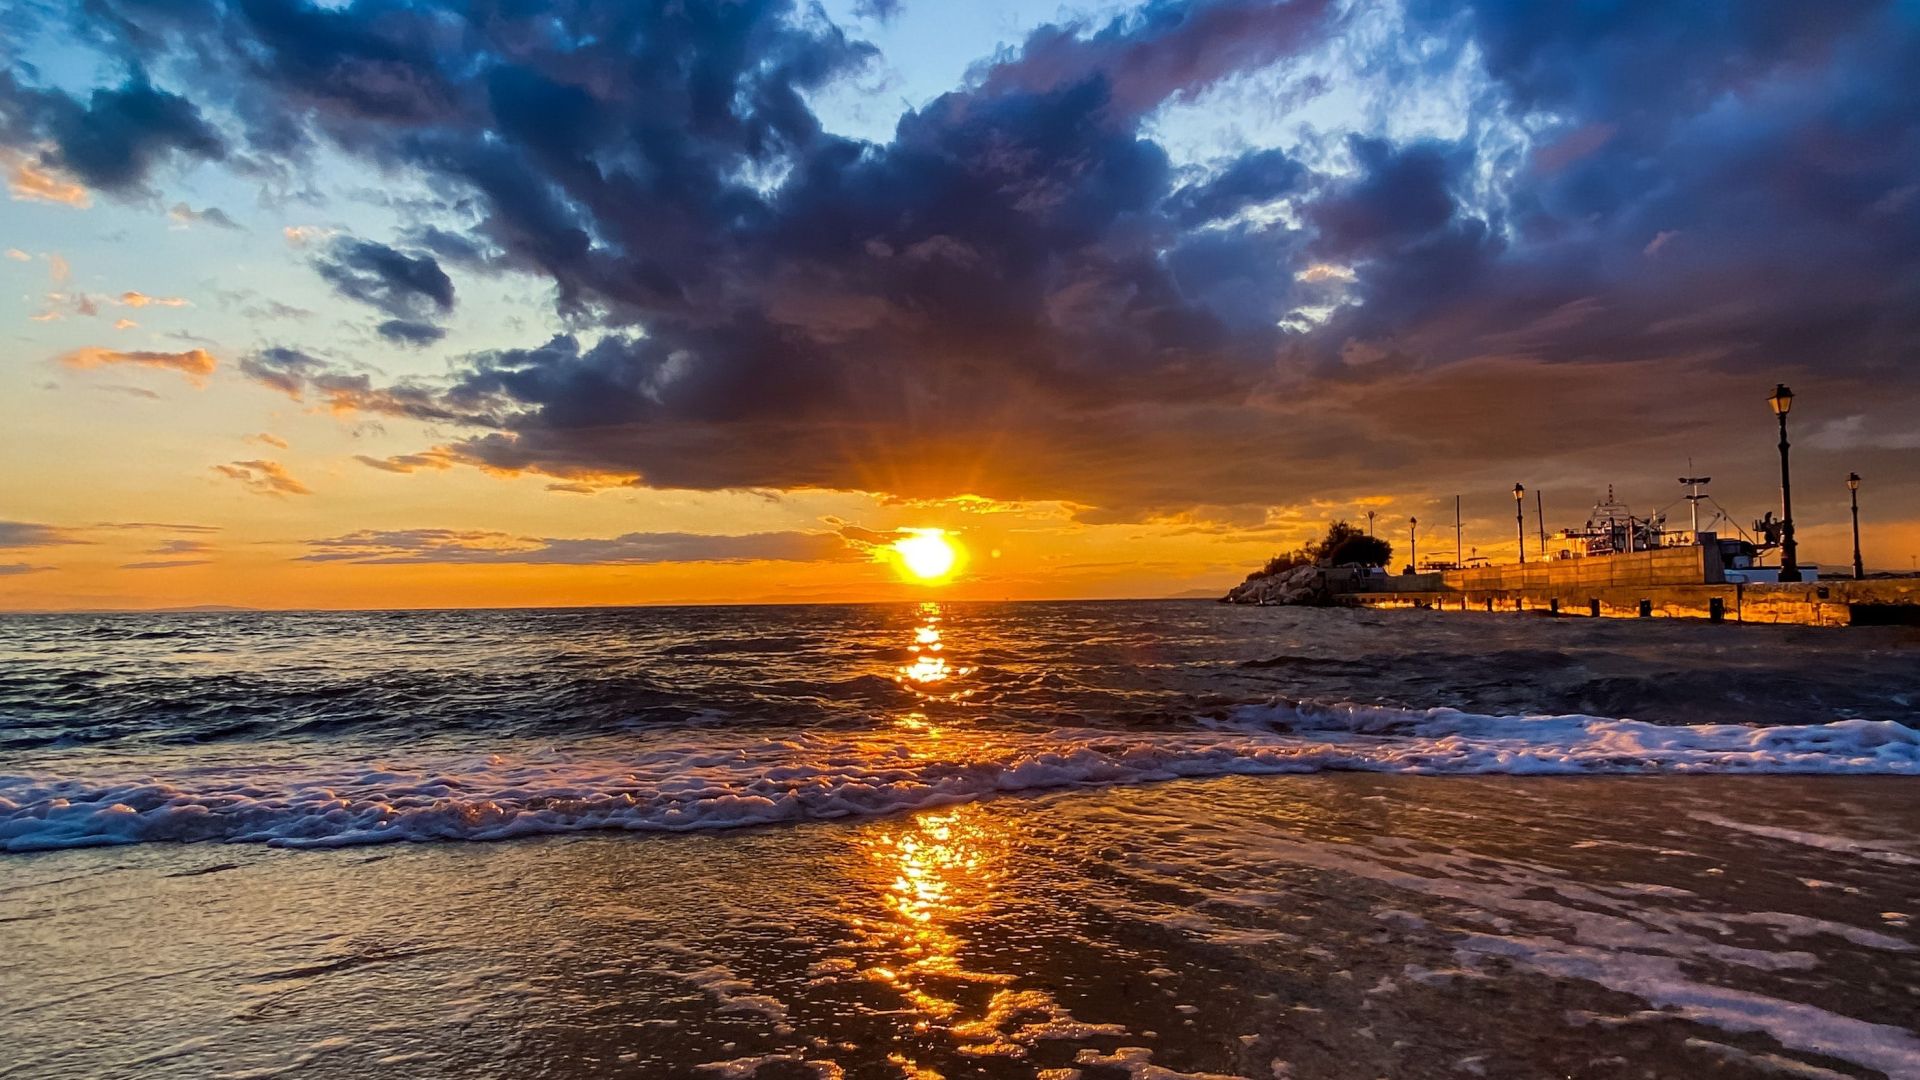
(1658, 981)
(1812, 840)
(813, 776)
(1623, 944)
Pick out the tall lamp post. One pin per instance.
(1853, 496)
(1520, 517)
(1413, 542)
(1782, 402)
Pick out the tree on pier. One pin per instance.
(1344, 545)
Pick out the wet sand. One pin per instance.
(1334, 925)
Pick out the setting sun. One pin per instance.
(926, 555)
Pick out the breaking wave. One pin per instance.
(731, 781)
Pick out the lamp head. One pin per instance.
(1853, 481)
(1519, 492)
(1782, 399)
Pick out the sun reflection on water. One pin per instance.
(938, 868)
(930, 666)
(942, 884)
(938, 880)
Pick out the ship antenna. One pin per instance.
(1694, 495)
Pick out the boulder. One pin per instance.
(1302, 585)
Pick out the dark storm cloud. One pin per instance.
(303, 376)
(1593, 58)
(409, 332)
(382, 277)
(385, 546)
(283, 369)
(1726, 189)
(1168, 49)
(1401, 194)
(1259, 176)
(112, 138)
(456, 249)
(1020, 295)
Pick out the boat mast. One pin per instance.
(1459, 560)
(1694, 495)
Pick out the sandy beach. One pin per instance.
(1335, 925)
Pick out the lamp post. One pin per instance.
(1459, 560)
(1413, 543)
(1520, 517)
(1369, 523)
(1782, 402)
(1853, 496)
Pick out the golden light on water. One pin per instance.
(928, 556)
(938, 868)
(930, 665)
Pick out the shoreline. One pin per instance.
(708, 781)
(1243, 926)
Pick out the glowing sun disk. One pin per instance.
(927, 554)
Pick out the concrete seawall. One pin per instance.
(1827, 603)
(1691, 565)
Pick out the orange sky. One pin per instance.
(1123, 327)
(200, 537)
(231, 485)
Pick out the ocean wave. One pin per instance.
(736, 781)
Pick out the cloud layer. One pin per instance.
(1023, 294)
(480, 546)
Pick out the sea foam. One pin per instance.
(731, 781)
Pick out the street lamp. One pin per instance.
(1413, 543)
(1782, 402)
(1520, 517)
(1853, 496)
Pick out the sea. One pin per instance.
(1150, 840)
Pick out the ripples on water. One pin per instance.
(138, 681)
(1300, 927)
(342, 728)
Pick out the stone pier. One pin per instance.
(1873, 601)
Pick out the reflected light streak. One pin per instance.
(930, 666)
(939, 868)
